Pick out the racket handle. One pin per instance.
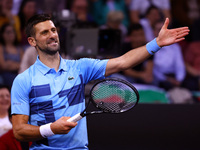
(75, 118)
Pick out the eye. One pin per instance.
(53, 30)
(44, 32)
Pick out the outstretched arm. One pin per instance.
(136, 56)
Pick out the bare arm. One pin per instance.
(133, 57)
(25, 132)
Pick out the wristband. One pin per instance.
(152, 47)
(45, 130)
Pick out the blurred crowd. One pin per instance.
(132, 22)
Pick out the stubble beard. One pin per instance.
(49, 50)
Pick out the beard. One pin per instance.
(49, 50)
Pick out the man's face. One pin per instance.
(4, 99)
(46, 37)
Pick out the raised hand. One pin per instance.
(171, 36)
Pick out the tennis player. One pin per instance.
(45, 96)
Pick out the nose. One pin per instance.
(53, 35)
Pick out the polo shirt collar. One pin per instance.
(45, 69)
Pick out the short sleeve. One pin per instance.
(20, 96)
(93, 69)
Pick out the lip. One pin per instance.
(53, 44)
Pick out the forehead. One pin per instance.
(46, 25)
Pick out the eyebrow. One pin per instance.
(46, 30)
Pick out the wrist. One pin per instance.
(152, 46)
(45, 130)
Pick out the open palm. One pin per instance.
(171, 36)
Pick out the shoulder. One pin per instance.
(25, 76)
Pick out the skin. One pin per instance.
(46, 37)
(4, 102)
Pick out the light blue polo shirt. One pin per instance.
(46, 95)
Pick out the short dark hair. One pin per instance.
(30, 31)
(134, 27)
(3, 86)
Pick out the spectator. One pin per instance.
(26, 11)
(5, 124)
(101, 8)
(114, 21)
(81, 9)
(10, 54)
(151, 18)
(192, 63)
(138, 8)
(7, 140)
(169, 68)
(143, 72)
(7, 17)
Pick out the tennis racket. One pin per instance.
(110, 95)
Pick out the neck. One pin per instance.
(52, 61)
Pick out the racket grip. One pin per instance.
(75, 118)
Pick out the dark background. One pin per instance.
(147, 127)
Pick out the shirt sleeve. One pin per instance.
(93, 69)
(20, 95)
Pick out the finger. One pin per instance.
(181, 29)
(178, 40)
(166, 23)
(71, 124)
(181, 35)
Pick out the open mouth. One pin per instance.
(52, 42)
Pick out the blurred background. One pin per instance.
(168, 82)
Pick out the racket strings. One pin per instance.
(114, 96)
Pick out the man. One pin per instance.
(53, 88)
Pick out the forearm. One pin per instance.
(24, 131)
(27, 132)
(126, 61)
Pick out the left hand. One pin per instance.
(171, 36)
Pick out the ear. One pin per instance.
(32, 41)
